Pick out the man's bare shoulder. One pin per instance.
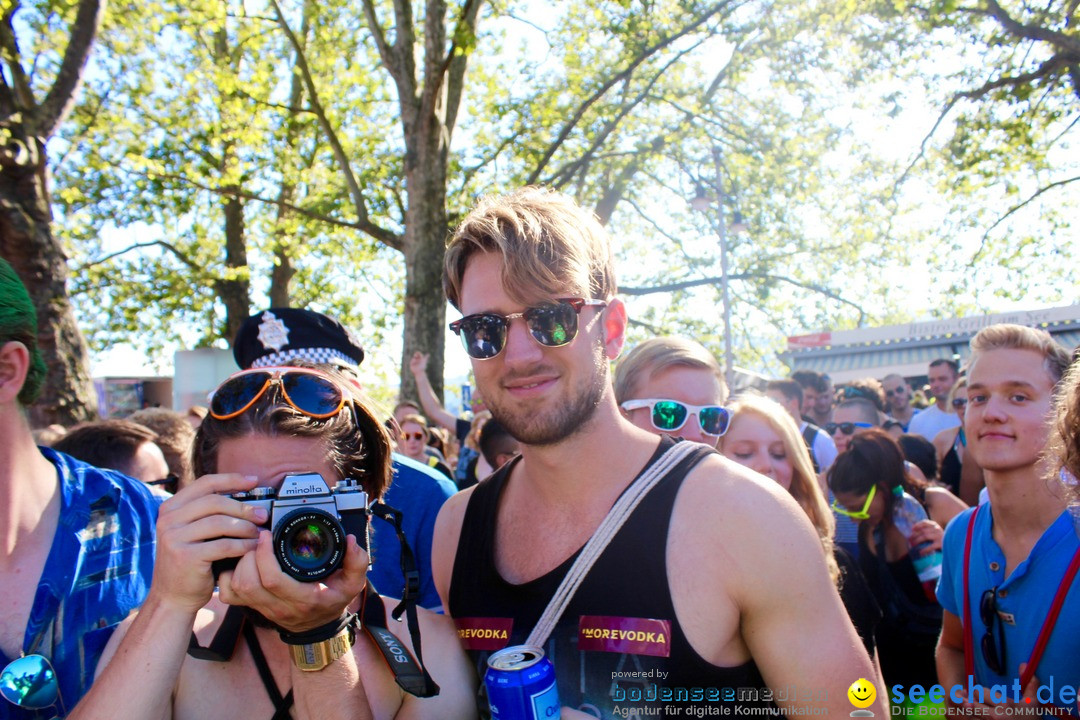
(717, 484)
(741, 519)
(447, 532)
(451, 516)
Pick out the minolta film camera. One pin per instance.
(309, 523)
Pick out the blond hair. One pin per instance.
(1020, 337)
(959, 385)
(549, 246)
(658, 354)
(804, 484)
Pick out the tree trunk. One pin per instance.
(282, 274)
(26, 241)
(234, 289)
(425, 245)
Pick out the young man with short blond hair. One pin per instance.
(998, 595)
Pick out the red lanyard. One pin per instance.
(1048, 624)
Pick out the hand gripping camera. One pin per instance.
(309, 522)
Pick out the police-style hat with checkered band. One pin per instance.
(279, 336)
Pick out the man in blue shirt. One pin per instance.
(280, 335)
(1021, 543)
(76, 542)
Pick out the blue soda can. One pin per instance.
(520, 682)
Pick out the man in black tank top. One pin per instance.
(714, 591)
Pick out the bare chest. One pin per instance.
(235, 689)
(530, 543)
(20, 586)
(228, 690)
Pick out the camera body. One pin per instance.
(309, 522)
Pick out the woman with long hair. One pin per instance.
(870, 482)
(763, 437)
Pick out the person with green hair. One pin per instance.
(76, 541)
(18, 322)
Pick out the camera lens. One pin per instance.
(309, 544)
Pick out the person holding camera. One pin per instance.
(294, 629)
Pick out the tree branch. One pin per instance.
(377, 33)
(467, 173)
(564, 174)
(1043, 70)
(61, 97)
(676, 241)
(291, 109)
(24, 95)
(434, 62)
(403, 69)
(180, 255)
(317, 108)
(648, 326)
(685, 284)
(611, 82)
(1015, 208)
(457, 59)
(1061, 41)
(388, 238)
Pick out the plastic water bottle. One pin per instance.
(906, 513)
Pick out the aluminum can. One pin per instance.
(520, 682)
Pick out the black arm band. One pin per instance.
(319, 634)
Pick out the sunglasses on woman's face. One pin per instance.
(862, 514)
(414, 436)
(552, 325)
(848, 428)
(30, 682)
(308, 392)
(670, 415)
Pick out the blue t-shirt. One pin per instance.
(1023, 601)
(418, 492)
(98, 571)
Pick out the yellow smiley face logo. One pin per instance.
(861, 693)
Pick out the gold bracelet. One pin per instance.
(316, 656)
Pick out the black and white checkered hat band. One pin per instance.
(315, 355)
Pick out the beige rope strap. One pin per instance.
(614, 521)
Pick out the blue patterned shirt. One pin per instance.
(98, 571)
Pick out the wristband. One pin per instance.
(315, 649)
(319, 634)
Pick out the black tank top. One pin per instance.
(950, 470)
(619, 643)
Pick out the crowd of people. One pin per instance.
(670, 548)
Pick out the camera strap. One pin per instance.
(223, 644)
(410, 675)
